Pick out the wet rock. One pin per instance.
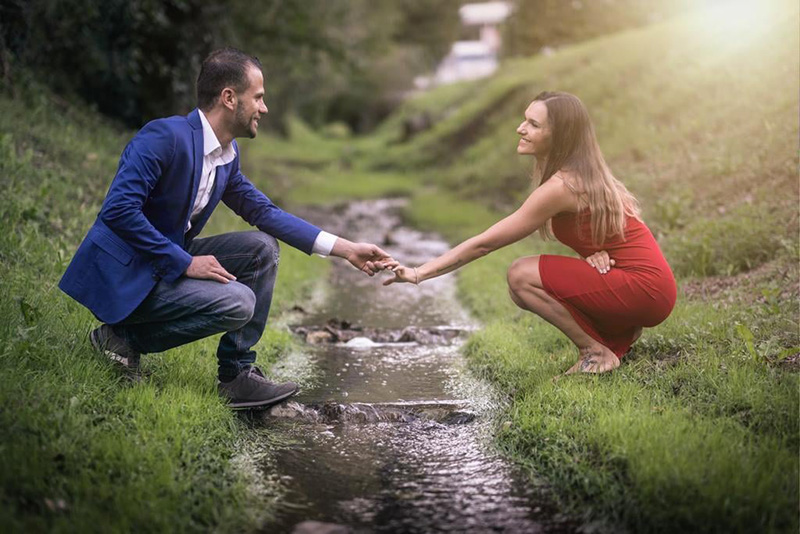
(458, 418)
(359, 413)
(336, 331)
(318, 527)
(294, 410)
(317, 337)
(360, 342)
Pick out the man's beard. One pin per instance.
(243, 123)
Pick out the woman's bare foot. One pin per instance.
(596, 359)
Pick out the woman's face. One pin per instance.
(534, 131)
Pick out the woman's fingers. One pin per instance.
(601, 261)
(401, 274)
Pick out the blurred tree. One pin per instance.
(138, 59)
(345, 61)
(133, 59)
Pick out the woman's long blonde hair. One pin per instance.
(574, 149)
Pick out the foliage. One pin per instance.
(120, 56)
(345, 61)
(327, 61)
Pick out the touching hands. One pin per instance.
(365, 257)
(601, 261)
(403, 274)
(208, 268)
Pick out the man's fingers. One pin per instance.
(218, 278)
(612, 262)
(220, 271)
(378, 251)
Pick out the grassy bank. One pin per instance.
(697, 431)
(83, 449)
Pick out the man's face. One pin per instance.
(250, 105)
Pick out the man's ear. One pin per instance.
(228, 98)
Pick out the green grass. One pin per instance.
(84, 449)
(692, 433)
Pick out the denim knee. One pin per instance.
(238, 307)
(264, 247)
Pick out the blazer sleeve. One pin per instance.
(141, 166)
(254, 207)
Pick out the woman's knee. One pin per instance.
(522, 273)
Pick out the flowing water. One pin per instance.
(390, 433)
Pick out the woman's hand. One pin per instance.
(403, 274)
(601, 261)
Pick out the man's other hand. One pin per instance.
(208, 268)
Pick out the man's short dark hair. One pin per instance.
(226, 67)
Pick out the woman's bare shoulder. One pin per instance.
(570, 180)
(573, 184)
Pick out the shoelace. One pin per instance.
(256, 374)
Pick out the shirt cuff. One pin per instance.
(324, 244)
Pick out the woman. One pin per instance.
(580, 202)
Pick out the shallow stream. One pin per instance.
(390, 432)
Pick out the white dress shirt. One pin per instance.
(215, 155)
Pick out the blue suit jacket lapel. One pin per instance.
(197, 138)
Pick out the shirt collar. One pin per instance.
(211, 143)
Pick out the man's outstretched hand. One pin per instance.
(365, 257)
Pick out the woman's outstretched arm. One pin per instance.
(544, 202)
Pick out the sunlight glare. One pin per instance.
(738, 20)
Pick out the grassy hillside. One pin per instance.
(697, 431)
(84, 449)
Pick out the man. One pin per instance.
(141, 269)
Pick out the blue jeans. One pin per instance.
(176, 313)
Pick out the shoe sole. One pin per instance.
(262, 403)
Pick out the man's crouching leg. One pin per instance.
(253, 258)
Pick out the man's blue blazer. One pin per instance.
(139, 235)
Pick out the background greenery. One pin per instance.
(347, 61)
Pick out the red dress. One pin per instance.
(638, 291)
